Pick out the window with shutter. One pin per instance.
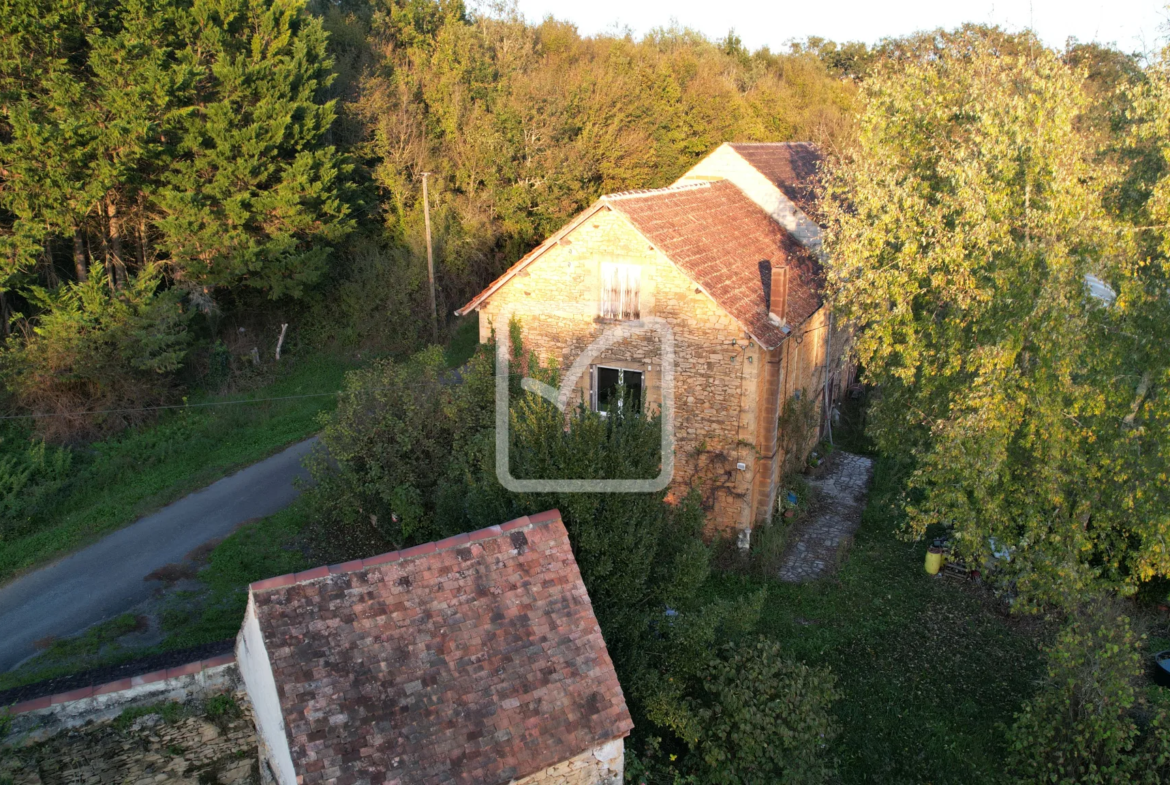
(621, 286)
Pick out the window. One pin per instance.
(621, 286)
(608, 381)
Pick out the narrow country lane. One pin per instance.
(107, 578)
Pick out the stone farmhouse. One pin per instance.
(728, 258)
(477, 659)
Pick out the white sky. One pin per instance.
(1132, 25)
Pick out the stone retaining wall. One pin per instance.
(77, 738)
(193, 749)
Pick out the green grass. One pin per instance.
(929, 668)
(97, 646)
(117, 481)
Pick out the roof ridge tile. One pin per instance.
(643, 192)
(425, 549)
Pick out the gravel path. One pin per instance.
(817, 544)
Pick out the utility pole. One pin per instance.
(430, 258)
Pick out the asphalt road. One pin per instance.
(107, 578)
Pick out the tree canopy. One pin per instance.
(966, 230)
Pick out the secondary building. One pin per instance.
(477, 659)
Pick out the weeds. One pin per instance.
(169, 713)
(223, 710)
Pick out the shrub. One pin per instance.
(757, 717)
(1081, 727)
(378, 302)
(97, 350)
(31, 475)
(391, 453)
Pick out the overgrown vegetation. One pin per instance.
(169, 712)
(928, 670)
(1089, 722)
(998, 232)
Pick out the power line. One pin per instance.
(176, 406)
(220, 403)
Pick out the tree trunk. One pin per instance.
(79, 262)
(141, 235)
(115, 248)
(3, 313)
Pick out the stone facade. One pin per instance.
(713, 372)
(728, 389)
(188, 751)
(604, 765)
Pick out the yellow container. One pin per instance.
(934, 560)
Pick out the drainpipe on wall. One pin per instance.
(828, 408)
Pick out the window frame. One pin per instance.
(595, 388)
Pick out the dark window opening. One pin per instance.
(608, 385)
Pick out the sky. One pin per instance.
(1132, 25)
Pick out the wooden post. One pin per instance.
(430, 259)
(280, 343)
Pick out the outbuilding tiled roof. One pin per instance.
(724, 242)
(791, 166)
(473, 660)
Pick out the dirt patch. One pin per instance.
(173, 573)
(202, 554)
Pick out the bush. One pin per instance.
(1081, 726)
(392, 454)
(378, 301)
(97, 350)
(757, 717)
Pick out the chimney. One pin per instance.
(778, 298)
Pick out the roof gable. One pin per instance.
(790, 166)
(718, 237)
(474, 660)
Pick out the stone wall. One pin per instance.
(717, 365)
(603, 765)
(190, 749)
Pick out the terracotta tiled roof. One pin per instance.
(725, 243)
(474, 660)
(791, 166)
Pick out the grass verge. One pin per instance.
(117, 481)
(929, 668)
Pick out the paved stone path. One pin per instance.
(815, 545)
